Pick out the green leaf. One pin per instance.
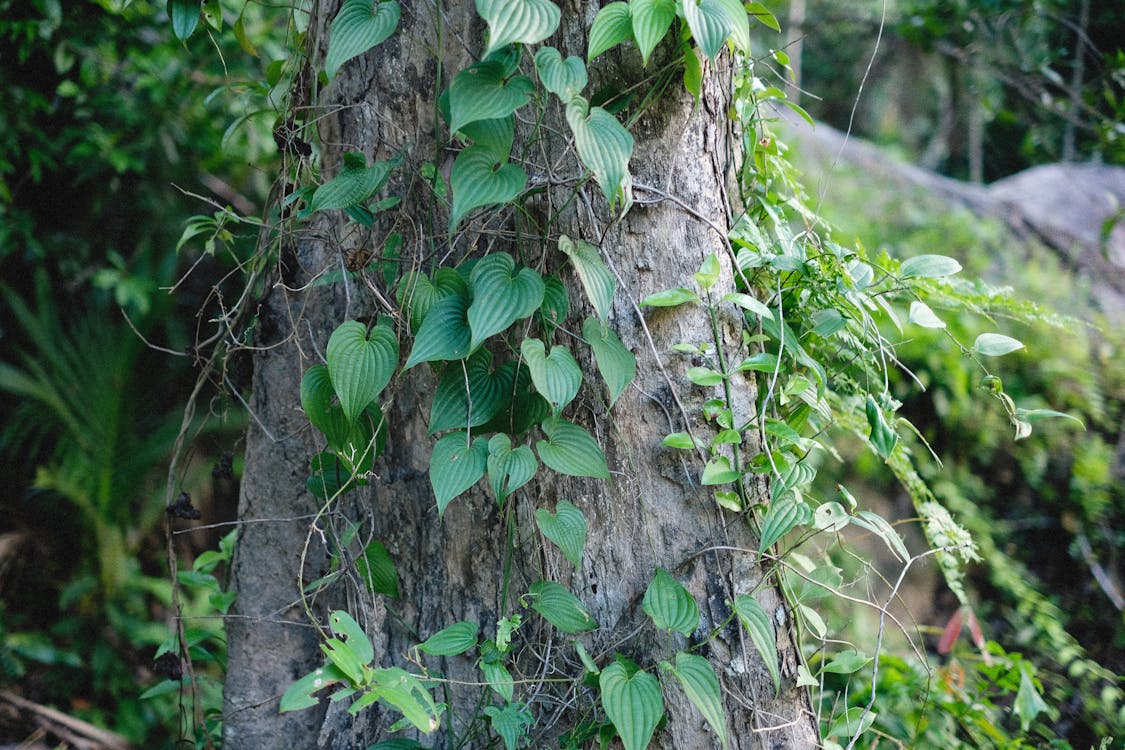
(830, 517)
(852, 723)
(563, 78)
(708, 273)
(560, 607)
(928, 267)
(847, 662)
(556, 375)
(299, 694)
(711, 24)
(670, 298)
(398, 688)
(566, 527)
(418, 294)
(511, 723)
(489, 391)
(444, 334)
(526, 408)
(680, 440)
(996, 344)
(784, 515)
(456, 639)
(1029, 702)
(759, 625)
(498, 678)
(455, 466)
(484, 91)
(517, 21)
(495, 135)
(701, 685)
(704, 376)
(571, 450)
(883, 436)
(669, 605)
(651, 19)
(479, 178)
(760, 362)
(879, 526)
(342, 624)
(377, 569)
(358, 27)
(501, 296)
(604, 146)
(509, 469)
(922, 315)
(597, 280)
(556, 305)
(361, 363)
(719, 471)
(763, 15)
(633, 704)
(328, 475)
(612, 26)
(355, 183)
(746, 302)
(617, 365)
(398, 743)
(185, 17)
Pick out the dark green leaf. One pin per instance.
(377, 569)
(359, 26)
(185, 17)
(784, 515)
(479, 178)
(444, 334)
(501, 296)
(455, 466)
(361, 363)
(508, 468)
(484, 91)
(489, 391)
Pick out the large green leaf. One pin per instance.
(359, 26)
(355, 183)
(612, 26)
(344, 625)
(556, 375)
(498, 677)
(185, 17)
(486, 91)
(299, 694)
(633, 704)
(495, 135)
(597, 279)
(361, 363)
(318, 402)
(444, 334)
(670, 605)
(712, 22)
(617, 364)
(418, 294)
(571, 450)
(701, 685)
(785, 514)
(402, 690)
(604, 146)
(480, 178)
(651, 19)
(566, 527)
(560, 607)
(501, 295)
(563, 78)
(508, 468)
(377, 569)
(517, 21)
(760, 627)
(455, 466)
(456, 639)
(488, 392)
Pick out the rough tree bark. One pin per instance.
(651, 513)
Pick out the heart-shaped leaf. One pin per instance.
(360, 363)
(784, 515)
(632, 702)
(697, 677)
(617, 364)
(317, 397)
(604, 146)
(418, 294)
(479, 178)
(525, 408)
(651, 19)
(484, 91)
(560, 607)
(760, 627)
(597, 279)
(456, 639)
(509, 469)
(501, 296)
(556, 375)
(455, 466)
(571, 450)
(377, 569)
(563, 78)
(358, 27)
(185, 17)
(495, 135)
(444, 334)
(518, 21)
(830, 517)
(669, 605)
(612, 26)
(712, 22)
(488, 393)
(556, 305)
(566, 527)
(355, 183)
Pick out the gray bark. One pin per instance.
(651, 513)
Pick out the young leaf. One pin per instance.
(633, 704)
(299, 694)
(566, 527)
(883, 436)
(484, 91)
(571, 450)
(596, 278)
(847, 662)
(719, 471)
(617, 365)
(343, 624)
(444, 334)
(928, 267)
(830, 517)
(612, 26)
(478, 178)
(996, 345)
(511, 723)
(670, 298)
(360, 363)
(704, 376)
(651, 19)
(456, 639)
(501, 296)
(604, 146)
(556, 375)
(508, 469)
(708, 273)
(517, 21)
(701, 685)
(498, 678)
(358, 27)
(560, 607)
(1029, 703)
(456, 466)
(669, 605)
(563, 78)
(759, 626)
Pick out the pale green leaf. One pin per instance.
(996, 344)
(557, 375)
(455, 466)
(719, 471)
(1029, 703)
(604, 146)
(830, 517)
(560, 607)
(617, 365)
(704, 376)
(746, 302)
(712, 23)
(359, 26)
(670, 298)
(563, 78)
(508, 468)
(498, 678)
(651, 19)
(759, 625)
(612, 26)
(517, 21)
(701, 685)
(495, 135)
(361, 363)
(478, 178)
(784, 515)
(883, 437)
(566, 527)
(708, 273)
(455, 639)
(879, 525)
(511, 723)
(922, 315)
(299, 694)
(847, 662)
(852, 723)
(571, 450)
(669, 605)
(633, 704)
(928, 267)
(597, 279)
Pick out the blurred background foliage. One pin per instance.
(113, 135)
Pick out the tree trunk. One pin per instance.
(475, 561)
